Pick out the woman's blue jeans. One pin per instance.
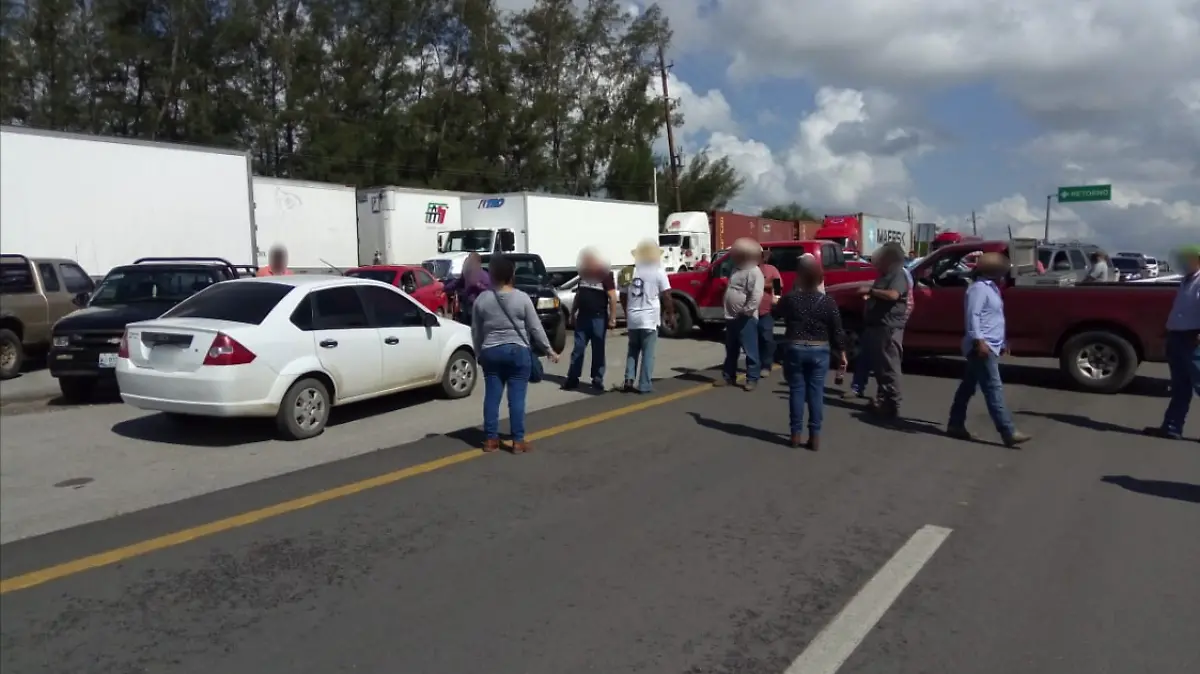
(804, 369)
(505, 366)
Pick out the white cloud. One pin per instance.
(1114, 87)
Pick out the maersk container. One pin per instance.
(105, 202)
(401, 225)
(316, 222)
(555, 227)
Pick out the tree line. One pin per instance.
(445, 94)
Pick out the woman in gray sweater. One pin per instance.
(506, 331)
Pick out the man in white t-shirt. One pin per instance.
(647, 305)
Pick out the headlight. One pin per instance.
(61, 340)
(547, 303)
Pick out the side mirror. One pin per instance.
(429, 320)
(508, 241)
(81, 299)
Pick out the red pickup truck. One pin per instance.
(699, 294)
(1099, 332)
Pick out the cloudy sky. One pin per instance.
(954, 106)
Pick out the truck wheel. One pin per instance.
(77, 390)
(458, 380)
(12, 354)
(558, 341)
(304, 410)
(683, 321)
(1099, 361)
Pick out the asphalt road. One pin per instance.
(681, 538)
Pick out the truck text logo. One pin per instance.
(888, 236)
(491, 203)
(435, 213)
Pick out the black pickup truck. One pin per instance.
(532, 279)
(84, 343)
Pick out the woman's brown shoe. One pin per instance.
(521, 447)
(490, 446)
(797, 441)
(814, 443)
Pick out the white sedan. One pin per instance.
(290, 347)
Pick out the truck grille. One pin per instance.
(99, 340)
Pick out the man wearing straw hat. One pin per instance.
(647, 305)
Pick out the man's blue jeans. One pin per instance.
(766, 341)
(741, 334)
(588, 331)
(982, 373)
(804, 368)
(641, 345)
(505, 366)
(1183, 357)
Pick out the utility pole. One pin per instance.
(1046, 236)
(974, 226)
(674, 158)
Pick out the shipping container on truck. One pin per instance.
(403, 225)
(105, 202)
(695, 236)
(316, 222)
(555, 227)
(862, 233)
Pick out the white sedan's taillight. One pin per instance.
(226, 350)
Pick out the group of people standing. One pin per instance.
(509, 338)
(815, 341)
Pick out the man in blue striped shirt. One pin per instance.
(983, 344)
(1183, 347)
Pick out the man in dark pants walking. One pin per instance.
(883, 326)
(593, 314)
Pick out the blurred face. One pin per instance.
(278, 259)
(1189, 262)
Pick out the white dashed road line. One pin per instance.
(836, 643)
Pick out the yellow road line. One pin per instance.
(117, 555)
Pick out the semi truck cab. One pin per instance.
(687, 240)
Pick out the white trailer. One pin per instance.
(105, 202)
(556, 227)
(877, 231)
(316, 222)
(401, 225)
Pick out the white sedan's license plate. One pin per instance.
(108, 360)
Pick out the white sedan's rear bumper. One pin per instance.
(250, 390)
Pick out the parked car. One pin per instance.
(699, 294)
(291, 347)
(412, 279)
(1130, 269)
(1071, 257)
(532, 279)
(34, 293)
(1149, 265)
(1099, 333)
(83, 350)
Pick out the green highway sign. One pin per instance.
(1085, 193)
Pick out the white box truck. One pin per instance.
(555, 227)
(105, 202)
(401, 225)
(316, 222)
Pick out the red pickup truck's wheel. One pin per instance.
(1099, 361)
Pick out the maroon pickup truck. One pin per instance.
(1100, 333)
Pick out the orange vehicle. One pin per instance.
(1099, 333)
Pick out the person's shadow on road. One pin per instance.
(1081, 422)
(1180, 491)
(740, 430)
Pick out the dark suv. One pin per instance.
(84, 344)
